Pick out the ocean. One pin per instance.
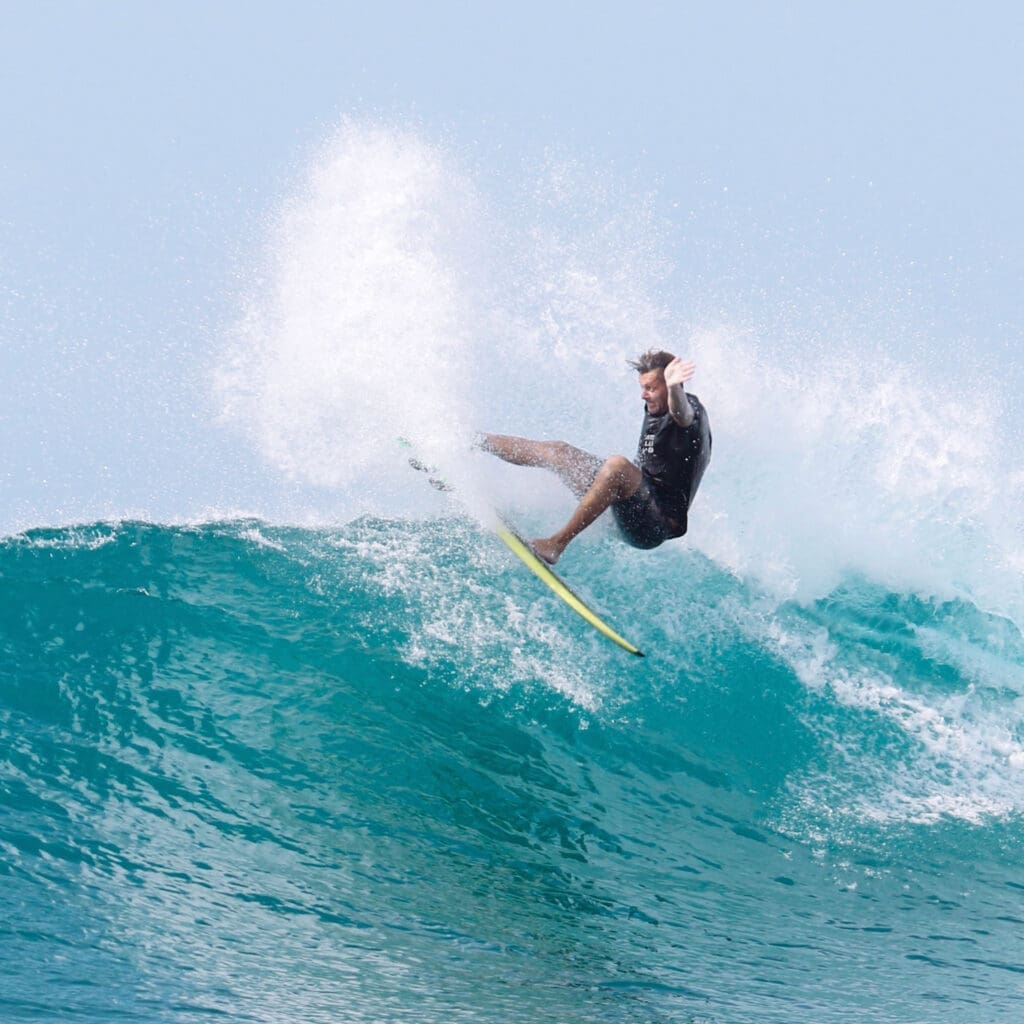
(377, 773)
(345, 759)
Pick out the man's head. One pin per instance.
(653, 389)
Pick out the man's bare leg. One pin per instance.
(575, 467)
(598, 484)
(617, 478)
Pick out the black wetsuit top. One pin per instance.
(672, 460)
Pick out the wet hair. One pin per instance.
(651, 360)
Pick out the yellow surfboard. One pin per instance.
(545, 573)
(537, 566)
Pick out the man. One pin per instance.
(650, 498)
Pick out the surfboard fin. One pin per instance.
(435, 481)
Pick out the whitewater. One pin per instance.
(347, 760)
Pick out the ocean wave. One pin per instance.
(275, 771)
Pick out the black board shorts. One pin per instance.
(641, 520)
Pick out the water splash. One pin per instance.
(402, 294)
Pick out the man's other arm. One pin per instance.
(677, 373)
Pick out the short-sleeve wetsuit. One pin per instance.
(672, 460)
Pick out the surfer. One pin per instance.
(649, 497)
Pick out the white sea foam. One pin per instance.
(79, 538)
(395, 300)
(402, 295)
(357, 331)
(957, 753)
(254, 535)
(491, 627)
(856, 463)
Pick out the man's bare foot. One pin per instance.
(547, 549)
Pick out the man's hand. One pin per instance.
(679, 372)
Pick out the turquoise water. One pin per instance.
(377, 773)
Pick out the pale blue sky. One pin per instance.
(810, 158)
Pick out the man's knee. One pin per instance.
(617, 466)
(620, 476)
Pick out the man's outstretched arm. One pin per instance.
(677, 373)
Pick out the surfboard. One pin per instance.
(550, 578)
(537, 566)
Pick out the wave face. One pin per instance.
(377, 773)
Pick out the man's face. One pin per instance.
(654, 391)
